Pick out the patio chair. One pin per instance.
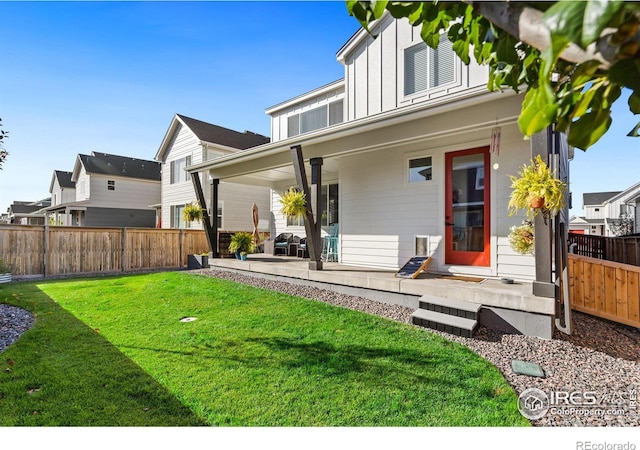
(303, 252)
(281, 243)
(330, 245)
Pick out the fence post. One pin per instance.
(181, 246)
(123, 244)
(45, 261)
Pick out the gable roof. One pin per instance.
(212, 134)
(116, 165)
(64, 179)
(224, 136)
(597, 198)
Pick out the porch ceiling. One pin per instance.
(277, 177)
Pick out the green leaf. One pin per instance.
(566, 19)
(634, 102)
(378, 7)
(627, 73)
(635, 132)
(597, 15)
(538, 110)
(586, 131)
(585, 72)
(585, 99)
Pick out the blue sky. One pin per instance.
(82, 76)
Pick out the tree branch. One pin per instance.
(526, 24)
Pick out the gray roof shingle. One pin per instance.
(64, 179)
(122, 166)
(219, 135)
(597, 198)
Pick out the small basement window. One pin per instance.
(111, 185)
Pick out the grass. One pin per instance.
(112, 351)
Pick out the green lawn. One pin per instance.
(112, 351)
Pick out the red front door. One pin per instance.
(467, 207)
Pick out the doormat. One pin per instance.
(462, 278)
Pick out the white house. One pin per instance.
(189, 141)
(415, 158)
(603, 210)
(106, 190)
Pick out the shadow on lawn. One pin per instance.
(379, 365)
(64, 373)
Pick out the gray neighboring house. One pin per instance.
(190, 141)
(27, 213)
(106, 190)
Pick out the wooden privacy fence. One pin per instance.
(48, 251)
(624, 249)
(605, 289)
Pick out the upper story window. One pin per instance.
(426, 68)
(111, 185)
(178, 174)
(314, 119)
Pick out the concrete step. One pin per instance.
(450, 306)
(459, 326)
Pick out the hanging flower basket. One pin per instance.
(521, 238)
(192, 212)
(536, 190)
(294, 203)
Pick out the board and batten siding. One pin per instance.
(374, 72)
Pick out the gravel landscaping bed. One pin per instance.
(600, 358)
(13, 322)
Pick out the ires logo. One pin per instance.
(534, 403)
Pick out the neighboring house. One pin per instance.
(106, 190)
(63, 192)
(603, 211)
(189, 141)
(28, 213)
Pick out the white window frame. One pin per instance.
(181, 175)
(329, 121)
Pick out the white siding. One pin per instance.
(129, 193)
(279, 119)
(381, 213)
(236, 199)
(83, 186)
(237, 202)
(61, 195)
(183, 144)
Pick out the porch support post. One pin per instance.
(311, 226)
(543, 286)
(215, 183)
(212, 238)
